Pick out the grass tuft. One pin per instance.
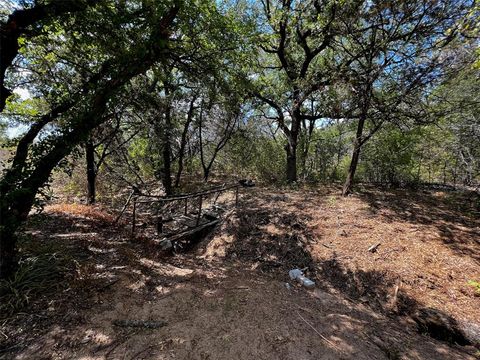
(36, 276)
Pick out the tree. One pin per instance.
(77, 116)
(298, 61)
(396, 53)
(99, 145)
(19, 24)
(213, 134)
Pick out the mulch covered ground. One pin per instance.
(227, 298)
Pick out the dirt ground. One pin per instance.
(228, 298)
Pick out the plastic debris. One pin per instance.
(297, 274)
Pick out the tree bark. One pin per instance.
(347, 187)
(291, 149)
(91, 171)
(292, 137)
(306, 145)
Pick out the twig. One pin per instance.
(108, 284)
(113, 345)
(323, 337)
(124, 207)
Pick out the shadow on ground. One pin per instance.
(455, 214)
(273, 239)
(236, 307)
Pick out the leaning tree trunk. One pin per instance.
(347, 187)
(91, 172)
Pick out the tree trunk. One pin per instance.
(8, 261)
(347, 187)
(292, 137)
(167, 152)
(291, 149)
(183, 142)
(91, 172)
(306, 146)
(206, 173)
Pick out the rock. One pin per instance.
(294, 273)
(165, 245)
(246, 182)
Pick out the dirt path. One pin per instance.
(227, 299)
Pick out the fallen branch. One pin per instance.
(124, 207)
(140, 324)
(323, 337)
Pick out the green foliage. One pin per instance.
(38, 275)
(475, 285)
(269, 163)
(390, 157)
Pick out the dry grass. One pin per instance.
(86, 211)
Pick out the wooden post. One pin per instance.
(236, 196)
(199, 210)
(186, 206)
(134, 215)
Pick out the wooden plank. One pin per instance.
(186, 196)
(190, 231)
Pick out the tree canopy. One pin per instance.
(279, 90)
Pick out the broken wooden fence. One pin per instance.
(185, 198)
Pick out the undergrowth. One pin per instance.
(36, 276)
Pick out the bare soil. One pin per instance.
(227, 298)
